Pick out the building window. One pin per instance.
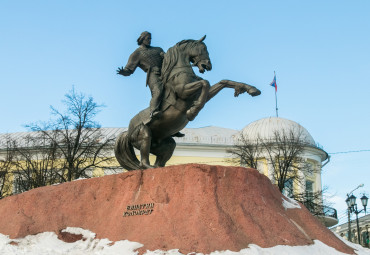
(309, 190)
(288, 188)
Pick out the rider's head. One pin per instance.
(145, 38)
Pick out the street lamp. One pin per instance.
(350, 202)
(352, 207)
(364, 200)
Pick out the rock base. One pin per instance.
(193, 208)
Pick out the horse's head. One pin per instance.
(199, 56)
(194, 51)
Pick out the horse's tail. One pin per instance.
(125, 153)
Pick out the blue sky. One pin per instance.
(319, 50)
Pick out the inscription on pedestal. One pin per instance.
(139, 209)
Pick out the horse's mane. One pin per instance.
(171, 57)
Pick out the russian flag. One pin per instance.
(273, 83)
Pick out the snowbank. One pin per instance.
(47, 243)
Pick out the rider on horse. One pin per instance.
(185, 94)
(149, 59)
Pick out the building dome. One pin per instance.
(266, 128)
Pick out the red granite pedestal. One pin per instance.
(193, 208)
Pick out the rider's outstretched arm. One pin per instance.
(131, 65)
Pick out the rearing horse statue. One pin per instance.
(185, 94)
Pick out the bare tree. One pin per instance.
(35, 162)
(316, 202)
(6, 159)
(284, 154)
(77, 137)
(246, 152)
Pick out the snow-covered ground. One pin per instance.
(47, 243)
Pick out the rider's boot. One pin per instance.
(178, 134)
(155, 114)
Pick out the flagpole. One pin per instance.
(276, 107)
(273, 84)
(277, 115)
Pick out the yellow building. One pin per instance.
(210, 145)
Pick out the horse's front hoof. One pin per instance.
(254, 92)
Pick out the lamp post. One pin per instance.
(349, 211)
(352, 208)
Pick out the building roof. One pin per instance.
(266, 128)
(204, 136)
(209, 135)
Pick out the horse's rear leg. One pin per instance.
(163, 151)
(192, 88)
(142, 139)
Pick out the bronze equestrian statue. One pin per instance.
(183, 95)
